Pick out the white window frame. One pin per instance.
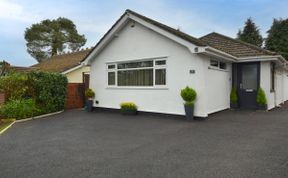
(154, 67)
(218, 65)
(111, 70)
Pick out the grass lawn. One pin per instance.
(4, 125)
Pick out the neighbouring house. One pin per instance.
(70, 65)
(6, 67)
(146, 62)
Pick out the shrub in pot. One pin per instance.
(128, 108)
(89, 94)
(261, 99)
(233, 98)
(189, 96)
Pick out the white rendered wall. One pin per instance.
(76, 76)
(265, 83)
(218, 88)
(285, 76)
(140, 43)
(279, 86)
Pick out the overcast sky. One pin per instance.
(94, 17)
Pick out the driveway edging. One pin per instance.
(38, 117)
(2, 131)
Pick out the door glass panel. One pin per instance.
(249, 76)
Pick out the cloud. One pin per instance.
(13, 11)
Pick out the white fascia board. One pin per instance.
(173, 37)
(258, 58)
(72, 69)
(106, 39)
(219, 54)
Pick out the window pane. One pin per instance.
(135, 65)
(160, 76)
(111, 78)
(222, 65)
(111, 66)
(142, 77)
(163, 62)
(213, 63)
(249, 76)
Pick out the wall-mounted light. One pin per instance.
(132, 25)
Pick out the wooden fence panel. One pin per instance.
(75, 96)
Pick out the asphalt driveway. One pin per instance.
(104, 144)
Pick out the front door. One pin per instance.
(248, 83)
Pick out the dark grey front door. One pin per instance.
(248, 84)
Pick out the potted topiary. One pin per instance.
(128, 108)
(233, 98)
(189, 95)
(89, 94)
(261, 99)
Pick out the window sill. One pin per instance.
(214, 68)
(138, 88)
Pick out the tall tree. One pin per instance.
(250, 33)
(4, 67)
(50, 37)
(277, 39)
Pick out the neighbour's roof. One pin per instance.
(234, 47)
(22, 69)
(62, 62)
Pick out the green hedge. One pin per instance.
(46, 90)
(49, 90)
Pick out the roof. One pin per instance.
(234, 47)
(22, 69)
(62, 62)
(228, 45)
(178, 33)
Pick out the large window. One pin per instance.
(146, 73)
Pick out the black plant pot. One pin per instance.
(233, 105)
(129, 111)
(262, 107)
(89, 105)
(189, 111)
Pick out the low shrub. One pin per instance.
(261, 97)
(89, 93)
(19, 109)
(128, 106)
(189, 96)
(14, 86)
(233, 95)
